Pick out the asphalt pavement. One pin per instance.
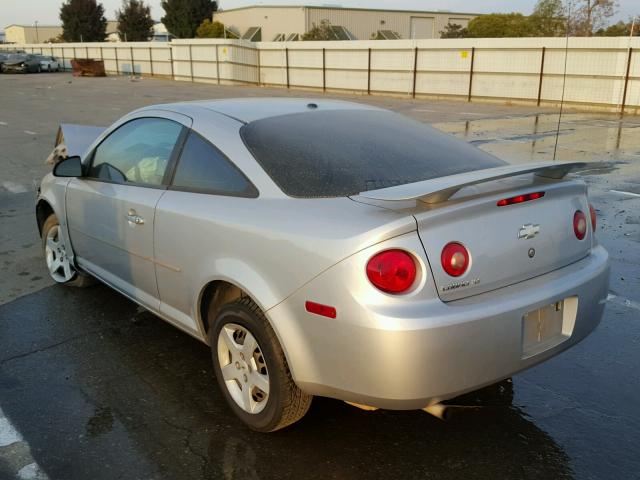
(92, 386)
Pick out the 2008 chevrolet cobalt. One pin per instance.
(327, 248)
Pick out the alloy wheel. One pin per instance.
(243, 368)
(58, 263)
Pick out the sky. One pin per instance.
(46, 11)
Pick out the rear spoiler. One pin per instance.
(441, 189)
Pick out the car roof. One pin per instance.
(247, 110)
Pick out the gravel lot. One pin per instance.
(91, 386)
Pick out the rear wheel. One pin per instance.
(56, 254)
(252, 371)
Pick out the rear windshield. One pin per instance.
(343, 152)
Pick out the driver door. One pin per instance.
(111, 210)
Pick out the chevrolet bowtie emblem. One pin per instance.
(528, 231)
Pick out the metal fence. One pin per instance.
(601, 73)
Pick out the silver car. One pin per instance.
(48, 63)
(327, 248)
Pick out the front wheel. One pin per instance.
(252, 371)
(56, 254)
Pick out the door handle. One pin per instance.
(134, 218)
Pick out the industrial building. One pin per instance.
(31, 33)
(281, 23)
(25, 34)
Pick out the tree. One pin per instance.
(619, 29)
(495, 25)
(592, 15)
(83, 21)
(134, 21)
(183, 17)
(320, 32)
(548, 19)
(453, 30)
(209, 29)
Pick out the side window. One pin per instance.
(139, 152)
(202, 167)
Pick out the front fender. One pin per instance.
(53, 191)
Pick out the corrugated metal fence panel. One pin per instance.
(305, 68)
(506, 69)
(203, 58)
(272, 66)
(347, 69)
(181, 63)
(513, 73)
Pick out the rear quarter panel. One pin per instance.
(267, 247)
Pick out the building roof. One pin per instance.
(33, 26)
(338, 7)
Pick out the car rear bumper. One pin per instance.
(389, 358)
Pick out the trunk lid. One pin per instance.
(496, 237)
(507, 244)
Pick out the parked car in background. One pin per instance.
(48, 63)
(328, 248)
(21, 63)
(3, 57)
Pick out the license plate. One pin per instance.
(548, 326)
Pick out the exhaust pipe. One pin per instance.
(438, 410)
(367, 408)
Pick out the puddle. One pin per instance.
(582, 137)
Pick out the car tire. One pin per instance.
(285, 403)
(54, 248)
(39, 70)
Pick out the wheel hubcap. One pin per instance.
(243, 368)
(58, 262)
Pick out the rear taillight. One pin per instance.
(527, 197)
(594, 219)
(392, 271)
(455, 259)
(579, 224)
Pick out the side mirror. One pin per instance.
(69, 167)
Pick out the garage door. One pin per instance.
(422, 27)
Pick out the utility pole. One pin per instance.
(37, 36)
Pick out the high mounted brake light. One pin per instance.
(527, 197)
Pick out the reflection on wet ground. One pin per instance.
(527, 138)
(100, 390)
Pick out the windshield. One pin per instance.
(345, 152)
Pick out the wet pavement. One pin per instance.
(94, 387)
